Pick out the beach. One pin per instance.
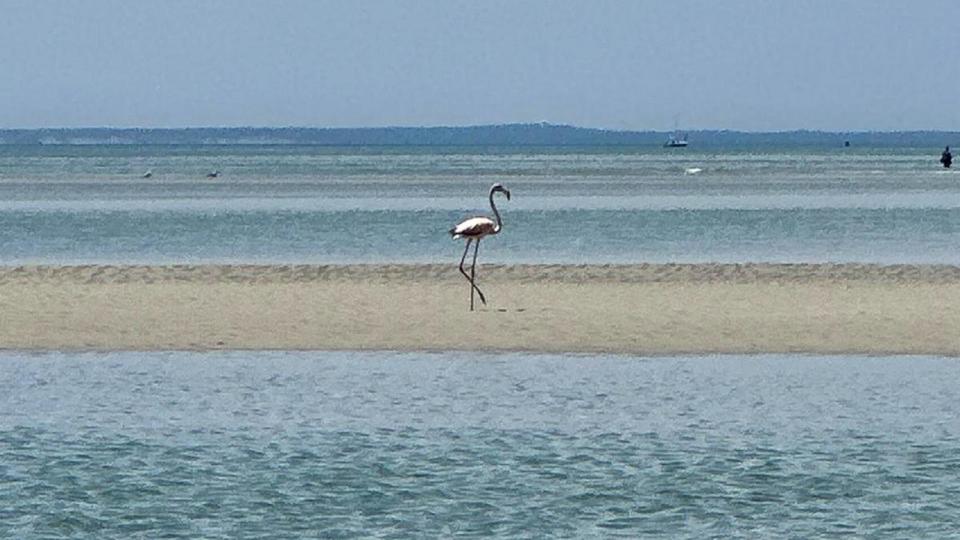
(652, 309)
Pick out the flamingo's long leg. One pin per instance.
(464, 258)
(473, 273)
(473, 285)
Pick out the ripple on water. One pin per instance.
(228, 445)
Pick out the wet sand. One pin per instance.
(637, 309)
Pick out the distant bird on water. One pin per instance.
(474, 229)
(213, 174)
(147, 174)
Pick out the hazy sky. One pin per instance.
(751, 65)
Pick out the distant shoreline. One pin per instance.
(655, 309)
(519, 135)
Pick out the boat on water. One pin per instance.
(677, 140)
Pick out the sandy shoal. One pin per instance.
(641, 309)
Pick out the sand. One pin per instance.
(635, 309)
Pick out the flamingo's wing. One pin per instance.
(473, 227)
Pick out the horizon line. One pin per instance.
(482, 126)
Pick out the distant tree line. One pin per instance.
(542, 134)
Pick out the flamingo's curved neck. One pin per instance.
(494, 208)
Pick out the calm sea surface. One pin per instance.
(340, 444)
(73, 204)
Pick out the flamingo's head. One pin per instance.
(499, 187)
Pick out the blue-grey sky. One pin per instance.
(751, 65)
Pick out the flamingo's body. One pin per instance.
(475, 229)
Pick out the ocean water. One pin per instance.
(89, 204)
(347, 444)
(389, 445)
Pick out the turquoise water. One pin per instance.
(288, 445)
(340, 444)
(75, 204)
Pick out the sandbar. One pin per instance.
(643, 309)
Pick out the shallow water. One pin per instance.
(88, 204)
(346, 444)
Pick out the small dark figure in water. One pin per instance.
(846, 144)
(946, 158)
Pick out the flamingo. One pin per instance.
(474, 229)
